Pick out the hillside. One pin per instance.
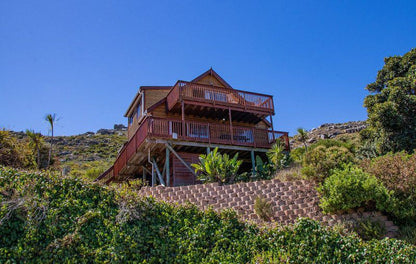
(348, 130)
(78, 153)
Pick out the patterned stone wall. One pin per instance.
(289, 200)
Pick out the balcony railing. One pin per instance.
(195, 132)
(196, 92)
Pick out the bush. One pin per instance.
(14, 153)
(297, 154)
(263, 208)
(279, 158)
(215, 167)
(398, 173)
(319, 161)
(47, 218)
(93, 173)
(369, 229)
(350, 188)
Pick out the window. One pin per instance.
(130, 119)
(139, 110)
(198, 131)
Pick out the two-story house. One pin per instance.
(170, 126)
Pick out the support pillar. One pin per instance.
(231, 125)
(153, 176)
(253, 163)
(167, 167)
(183, 119)
(271, 122)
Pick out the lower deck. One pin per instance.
(168, 163)
(162, 150)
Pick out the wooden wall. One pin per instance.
(210, 80)
(180, 174)
(152, 96)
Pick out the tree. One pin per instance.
(35, 142)
(51, 119)
(392, 106)
(303, 137)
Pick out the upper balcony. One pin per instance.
(209, 96)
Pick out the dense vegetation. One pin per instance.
(392, 106)
(47, 218)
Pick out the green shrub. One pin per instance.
(279, 158)
(48, 218)
(320, 160)
(14, 153)
(350, 188)
(369, 229)
(408, 233)
(398, 173)
(263, 208)
(297, 154)
(215, 167)
(93, 173)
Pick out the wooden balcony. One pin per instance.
(209, 95)
(211, 133)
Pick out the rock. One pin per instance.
(120, 127)
(105, 131)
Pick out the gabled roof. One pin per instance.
(215, 75)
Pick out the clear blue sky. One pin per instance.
(85, 60)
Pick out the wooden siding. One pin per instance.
(153, 96)
(181, 174)
(210, 80)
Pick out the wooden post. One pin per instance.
(153, 175)
(167, 168)
(253, 163)
(231, 125)
(183, 119)
(159, 175)
(271, 122)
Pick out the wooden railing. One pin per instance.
(212, 133)
(219, 96)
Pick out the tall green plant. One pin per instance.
(303, 137)
(35, 143)
(51, 119)
(215, 167)
(278, 156)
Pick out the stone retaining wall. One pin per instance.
(289, 200)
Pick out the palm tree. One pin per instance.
(50, 118)
(35, 142)
(303, 137)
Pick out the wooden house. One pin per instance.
(170, 126)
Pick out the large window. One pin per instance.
(130, 119)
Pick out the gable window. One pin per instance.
(130, 119)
